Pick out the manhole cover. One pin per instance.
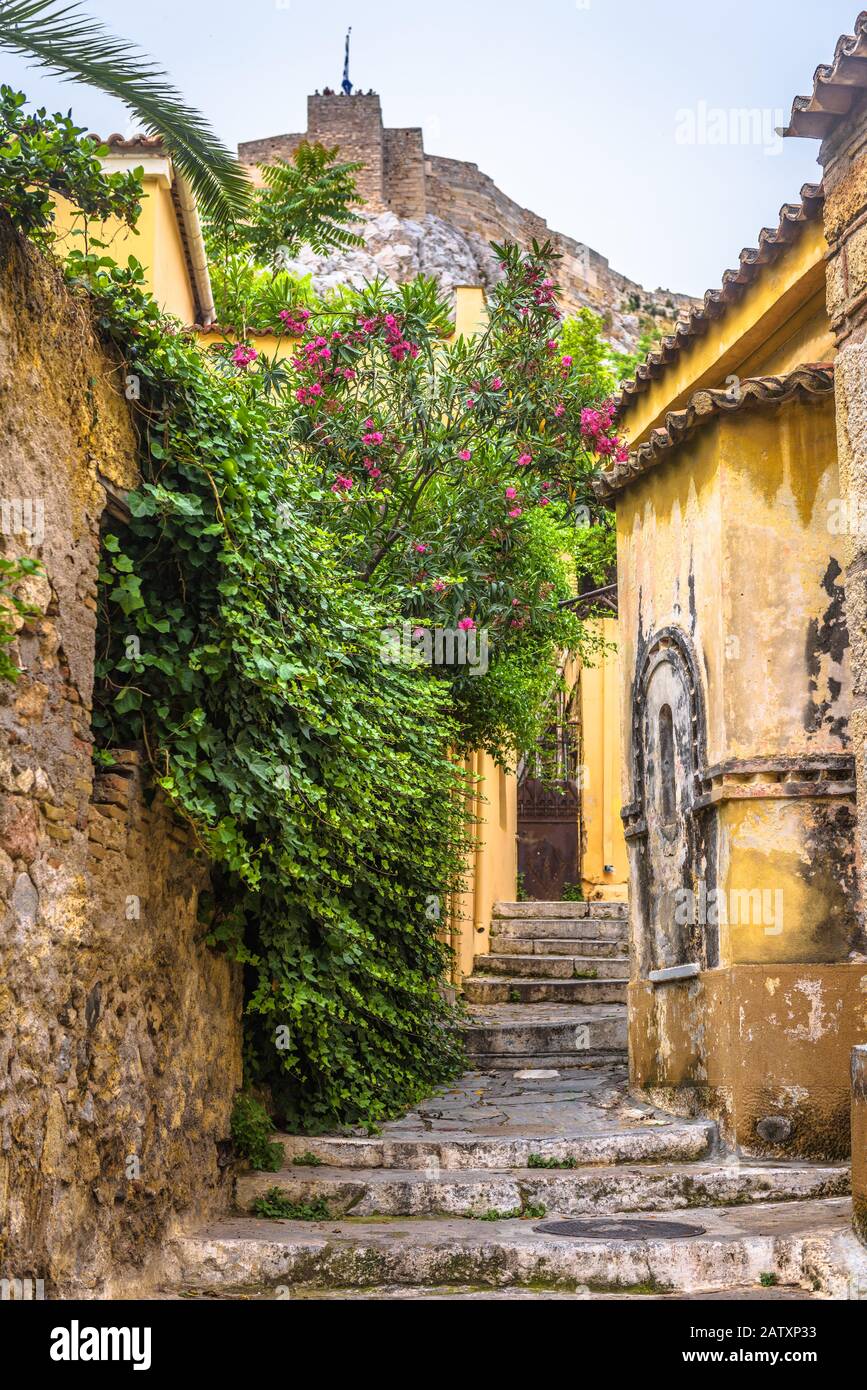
(593, 1229)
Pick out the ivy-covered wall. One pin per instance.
(119, 1029)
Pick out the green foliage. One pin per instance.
(41, 155)
(66, 41)
(581, 336)
(306, 1160)
(538, 1161)
(572, 893)
(251, 1132)
(316, 777)
(768, 1281)
(277, 1206)
(306, 200)
(11, 574)
(527, 1212)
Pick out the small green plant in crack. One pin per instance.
(306, 1160)
(251, 1130)
(539, 1161)
(586, 975)
(529, 1212)
(768, 1281)
(514, 996)
(278, 1207)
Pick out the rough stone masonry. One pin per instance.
(119, 1029)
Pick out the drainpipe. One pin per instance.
(196, 246)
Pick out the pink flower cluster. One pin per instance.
(342, 483)
(596, 429)
(295, 321)
(544, 292)
(243, 355)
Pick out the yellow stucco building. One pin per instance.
(749, 978)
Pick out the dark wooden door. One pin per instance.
(549, 808)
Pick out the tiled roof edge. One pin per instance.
(793, 217)
(809, 380)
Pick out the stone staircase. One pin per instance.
(552, 992)
(538, 1175)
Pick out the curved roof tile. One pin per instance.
(812, 379)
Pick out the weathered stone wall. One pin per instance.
(119, 1029)
(859, 1140)
(844, 157)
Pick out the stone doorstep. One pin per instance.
(554, 946)
(732, 1247)
(527, 929)
(564, 1192)
(563, 1061)
(574, 912)
(560, 967)
(484, 989)
(677, 1141)
(513, 1294)
(516, 1032)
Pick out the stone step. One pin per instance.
(493, 990)
(555, 946)
(554, 967)
(573, 1192)
(707, 1248)
(515, 1293)
(573, 912)
(516, 1035)
(529, 929)
(677, 1141)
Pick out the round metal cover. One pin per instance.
(598, 1228)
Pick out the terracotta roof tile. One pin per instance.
(139, 141)
(837, 87)
(772, 240)
(811, 379)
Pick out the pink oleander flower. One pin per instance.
(315, 389)
(374, 437)
(438, 586)
(497, 384)
(243, 355)
(471, 404)
(516, 603)
(342, 483)
(544, 501)
(516, 512)
(511, 494)
(465, 454)
(421, 548)
(622, 455)
(524, 460)
(567, 361)
(559, 410)
(466, 625)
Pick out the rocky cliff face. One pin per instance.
(399, 248)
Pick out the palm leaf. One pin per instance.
(79, 49)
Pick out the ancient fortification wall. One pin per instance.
(399, 177)
(119, 1029)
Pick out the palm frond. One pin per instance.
(67, 42)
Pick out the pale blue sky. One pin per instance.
(575, 107)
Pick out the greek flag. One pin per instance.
(346, 84)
